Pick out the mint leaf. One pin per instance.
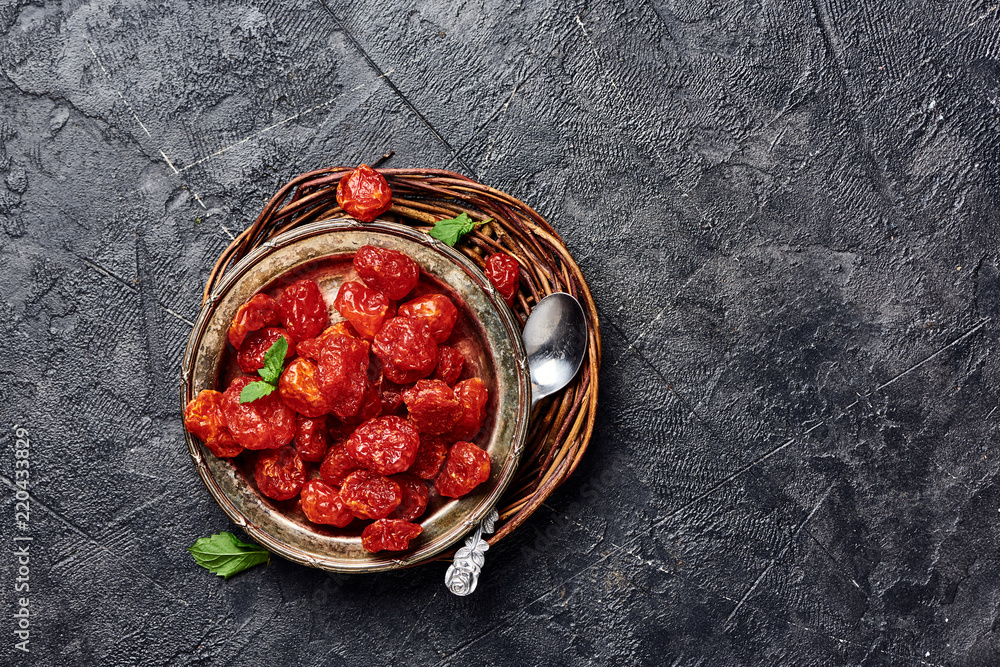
(452, 229)
(274, 361)
(225, 555)
(256, 390)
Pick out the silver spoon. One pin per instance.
(555, 339)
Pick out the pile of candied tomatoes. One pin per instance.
(370, 413)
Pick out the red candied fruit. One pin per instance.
(321, 503)
(505, 274)
(364, 194)
(449, 366)
(266, 423)
(466, 467)
(392, 396)
(204, 419)
(312, 347)
(256, 344)
(310, 438)
(385, 445)
(369, 495)
(343, 374)
(259, 312)
(303, 310)
(431, 454)
(433, 406)
(472, 395)
(389, 535)
(389, 271)
(364, 308)
(437, 312)
(301, 389)
(279, 473)
(371, 406)
(407, 350)
(337, 464)
(415, 497)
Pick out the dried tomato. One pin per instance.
(343, 374)
(301, 389)
(365, 308)
(321, 503)
(505, 274)
(466, 467)
(310, 438)
(259, 312)
(407, 349)
(266, 423)
(392, 396)
(472, 395)
(415, 497)
(389, 535)
(433, 406)
(431, 454)
(312, 347)
(371, 406)
(369, 495)
(303, 310)
(449, 365)
(385, 445)
(389, 271)
(204, 419)
(364, 194)
(256, 344)
(279, 473)
(436, 310)
(337, 464)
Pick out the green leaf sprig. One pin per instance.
(274, 363)
(223, 554)
(450, 230)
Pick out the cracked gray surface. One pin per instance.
(787, 213)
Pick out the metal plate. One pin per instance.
(493, 349)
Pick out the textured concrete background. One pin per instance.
(788, 214)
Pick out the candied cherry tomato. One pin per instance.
(303, 310)
(310, 438)
(415, 497)
(407, 349)
(266, 423)
(321, 503)
(505, 274)
(256, 344)
(279, 473)
(392, 396)
(312, 347)
(466, 467)
(369, 495)
(259, 312)
(389, 535)
(365, 308)
(449, 366)
(385, 445)
(364, 194)
(343, 374)
(472, 395)
(431, 454)
(371, 406)
(337, 464)
(301, 389)
(388, 271)
(204, 419)
(433, 406)
(437, 312)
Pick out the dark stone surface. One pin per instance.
(788, 214)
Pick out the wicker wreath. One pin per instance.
(558, 436)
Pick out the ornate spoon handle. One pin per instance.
(463, 574)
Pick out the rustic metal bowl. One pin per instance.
(494, 352)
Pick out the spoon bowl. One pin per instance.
(555, 339)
